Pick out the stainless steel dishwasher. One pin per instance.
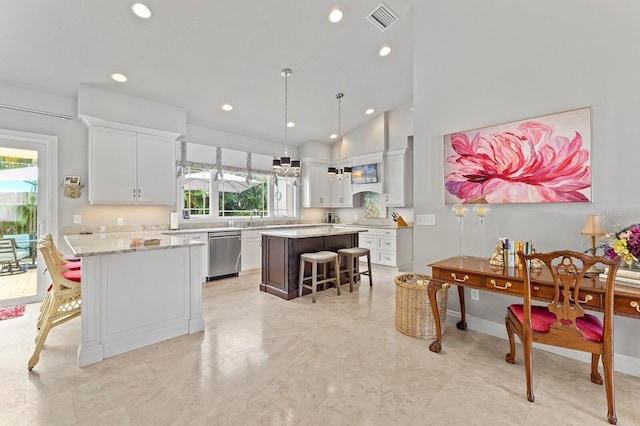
(224, 254)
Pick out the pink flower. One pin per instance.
(527, 164)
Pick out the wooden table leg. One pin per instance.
(432, 289)
(462, 324)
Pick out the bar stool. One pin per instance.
(352, 256)
(319, 258)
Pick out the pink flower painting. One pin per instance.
(542, 160)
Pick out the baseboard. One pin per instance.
(623, 363)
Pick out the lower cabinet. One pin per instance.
(390, 247)
(251, 243)
(202, 237)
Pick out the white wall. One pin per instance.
(483, 63)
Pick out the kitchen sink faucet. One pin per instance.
(256, 212)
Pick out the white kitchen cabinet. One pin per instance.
(316, 191)
(129, 167)
(399, 178)
(204, 238)
(251, 249)
(341, 193)
(390, 247)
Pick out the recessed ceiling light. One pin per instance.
(291, 124)
(120, 78)
(335, 15)
(333, 136)
(141, 10)
(369, 111)
(227, 107)
(385, 51)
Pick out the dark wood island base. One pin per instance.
(281, 252)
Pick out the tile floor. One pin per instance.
(265, 361)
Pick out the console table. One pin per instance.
(476, 273)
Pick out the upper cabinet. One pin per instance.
(129, 166)
(341, 194)
(399, 178)
(315, 184)
(320, 191)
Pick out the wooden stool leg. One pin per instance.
(314, 280)
(301, 278)
(351, 277)
(369, 269)
(337, 262)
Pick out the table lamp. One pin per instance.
(592, 229)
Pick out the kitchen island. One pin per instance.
(136, 296)
(281, 252)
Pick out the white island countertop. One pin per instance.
(120, 242)
(317, 231)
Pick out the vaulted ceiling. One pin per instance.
(201, 54)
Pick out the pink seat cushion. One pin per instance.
(72, 266)
(541, 319)
(73, 275)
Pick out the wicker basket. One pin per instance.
(413, 310)
(72, 191)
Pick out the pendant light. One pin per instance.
(284, 166)
(339, 172)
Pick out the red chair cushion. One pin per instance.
(73, 275)
(541, 319)
(72, 266)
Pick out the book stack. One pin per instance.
(509, 250)
(627, 276)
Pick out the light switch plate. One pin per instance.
(426, 219)
(120, 221)
(77, 218)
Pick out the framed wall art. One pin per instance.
(540, 160)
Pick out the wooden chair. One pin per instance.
(64, 301)
(563, 322)
(9, 260)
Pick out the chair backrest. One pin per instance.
(568, 270)
(54, 266)
(23, 241)
(8, 250)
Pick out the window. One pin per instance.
(234, 196)
(206, 197)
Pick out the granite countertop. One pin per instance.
(386, 226)
(119, 242)
(238, 228)
(316, 231)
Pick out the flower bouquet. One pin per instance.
(626, 245)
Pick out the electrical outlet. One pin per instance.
(77, 218)
(120, 221)
(475, 294)
(426, 219)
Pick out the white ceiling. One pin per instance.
(200, 54)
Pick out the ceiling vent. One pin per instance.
(382, 17)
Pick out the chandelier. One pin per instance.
(284, 166)
(339, 172)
